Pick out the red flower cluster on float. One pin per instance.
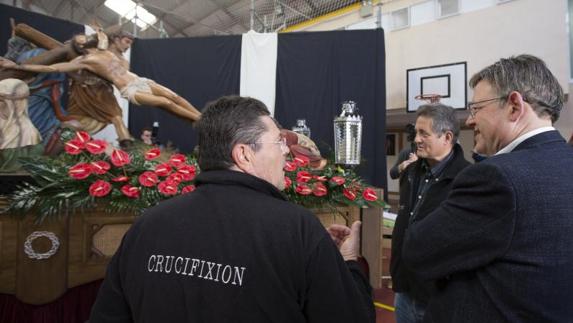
(116, 171)
(92, 170)
(309, 187)
(142, 178)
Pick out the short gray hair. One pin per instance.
(443, 119)
(228, 121)
(529, 76)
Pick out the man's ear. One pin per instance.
(242, 155)
(517, 105)
(449, 137)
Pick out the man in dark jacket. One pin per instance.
(502, 242)
(235, 250)
(423, 186)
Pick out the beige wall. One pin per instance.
(479, 38)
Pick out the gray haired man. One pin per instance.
(423, 186)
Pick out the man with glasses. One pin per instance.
(234, 250)
(424, 184)
(501, 245)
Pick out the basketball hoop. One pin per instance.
(429, 98)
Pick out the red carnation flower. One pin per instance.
(175, 177)
(303, 189)
(120, 158)
(100, 188)
(83, 136)
(80, 171)
(168, 187)
(188, 189)
(120, 179)
(130, 191)
(369, 195)
(187, 172)
(96, 146)
(290, 166)
(303, 176)
(148, 179)
(338, 180)
(163, 169)
(177, 160)
(350, 194)
(152, 153)
(74, 147)
(288, 182)
(100, 167)
(301, 160)
(319, 190)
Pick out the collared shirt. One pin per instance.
(425, 182)
(511, 146)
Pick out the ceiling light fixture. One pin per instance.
(132, 11)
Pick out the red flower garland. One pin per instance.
(134, 181)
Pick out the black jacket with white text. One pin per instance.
(234, 250)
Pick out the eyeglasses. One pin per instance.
(282, 142)
(474, 109)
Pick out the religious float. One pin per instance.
(67, 200)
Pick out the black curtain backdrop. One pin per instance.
(198, 69)
(61, 30)
(317, 71)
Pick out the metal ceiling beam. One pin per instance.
(311, 5)
(182, 29)
(228, 13)
(293, 9)
(162, 18)
(59, 7)
(91, 11)
(164, 13)
(186, 19)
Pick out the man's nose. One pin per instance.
(285, 149)
(470, 121)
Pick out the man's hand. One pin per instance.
(338, 233)
(411, 158)
(346, 239)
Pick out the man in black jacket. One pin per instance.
(502, 244)
(235, 250)
(423, 186)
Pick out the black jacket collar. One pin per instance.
(230, 177)
(452, 167)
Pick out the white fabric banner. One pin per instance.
(259, 67)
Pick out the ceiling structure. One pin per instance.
(192, 18)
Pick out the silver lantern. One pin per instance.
(348, 135)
